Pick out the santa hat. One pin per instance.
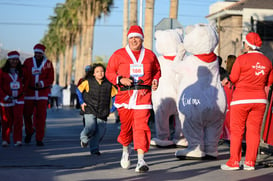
(39, 48)
(13, 55)
(253, 40)
(135, 31)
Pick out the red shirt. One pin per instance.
(250, 73)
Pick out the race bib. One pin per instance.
(14, 85)
(136, 70)
(35, 71)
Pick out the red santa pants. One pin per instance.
(134, 127)
(12, 120)
(37, 109)
(249, 116)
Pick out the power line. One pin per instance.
(26, 5)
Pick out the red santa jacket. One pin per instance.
(11, 86)
(119, 66)
(44, 74)
(250, 73)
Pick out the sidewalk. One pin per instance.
(62, 158)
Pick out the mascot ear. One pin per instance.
(157, 33)
(189, 29)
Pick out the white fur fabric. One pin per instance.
(201, 98)
(200, 39)
(164, 98)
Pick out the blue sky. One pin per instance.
(24, 22)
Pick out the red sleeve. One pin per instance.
(156, 70)
(270, 78)
(50, 74)
(2, 93)
(112, 68)
(26, 75)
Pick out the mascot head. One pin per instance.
(200, 39)
(168, 41)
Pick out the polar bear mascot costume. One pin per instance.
(164, 98)
(201, 98)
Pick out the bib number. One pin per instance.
(15, 85)
(136, 70)
(35, 71)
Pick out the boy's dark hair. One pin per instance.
(95, 65)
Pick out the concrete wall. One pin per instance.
(230, 32)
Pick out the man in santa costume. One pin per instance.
(12, 99)
(250, 73)
(39, 78)
(135, 71)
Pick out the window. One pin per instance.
(264, 29)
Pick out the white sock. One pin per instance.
(125, 149)
(140, 157)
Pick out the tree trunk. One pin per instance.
(83, 38)
(78, 70)
(148, 25)
(173, 9)
(133, 12)
(69, 60)
(61, 70)
(125, 22)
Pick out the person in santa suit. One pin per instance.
(12, 99)
(135, 70)
(39, 78)
(250, 73)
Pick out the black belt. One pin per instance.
(34, 88)
(135, 87)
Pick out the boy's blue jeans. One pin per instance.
(93, 131)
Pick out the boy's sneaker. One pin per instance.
(249, 168)
(226, 167)
(141, 167)
(125, 160)
(18, 143)
(39, 143)
(83, 144)
(5, 144)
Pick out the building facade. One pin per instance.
(234, 19)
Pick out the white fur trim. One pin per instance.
(135, 35)
(42, 83)
(13, 57)
(252, 46)
(249, 101)
(6, 98)
(39, 50)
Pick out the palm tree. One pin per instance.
(133, 12)
(125, 22)
(148, 24)
(91, 10)
(173, 9)
(72, 26)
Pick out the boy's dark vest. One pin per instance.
(98, 98)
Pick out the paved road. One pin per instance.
(62, 159)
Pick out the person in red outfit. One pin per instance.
(39, 78)
(135, 71)
(250, 73)
(12, 99)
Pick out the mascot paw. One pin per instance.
(182, 143)
(189, 154)
(162, 143)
